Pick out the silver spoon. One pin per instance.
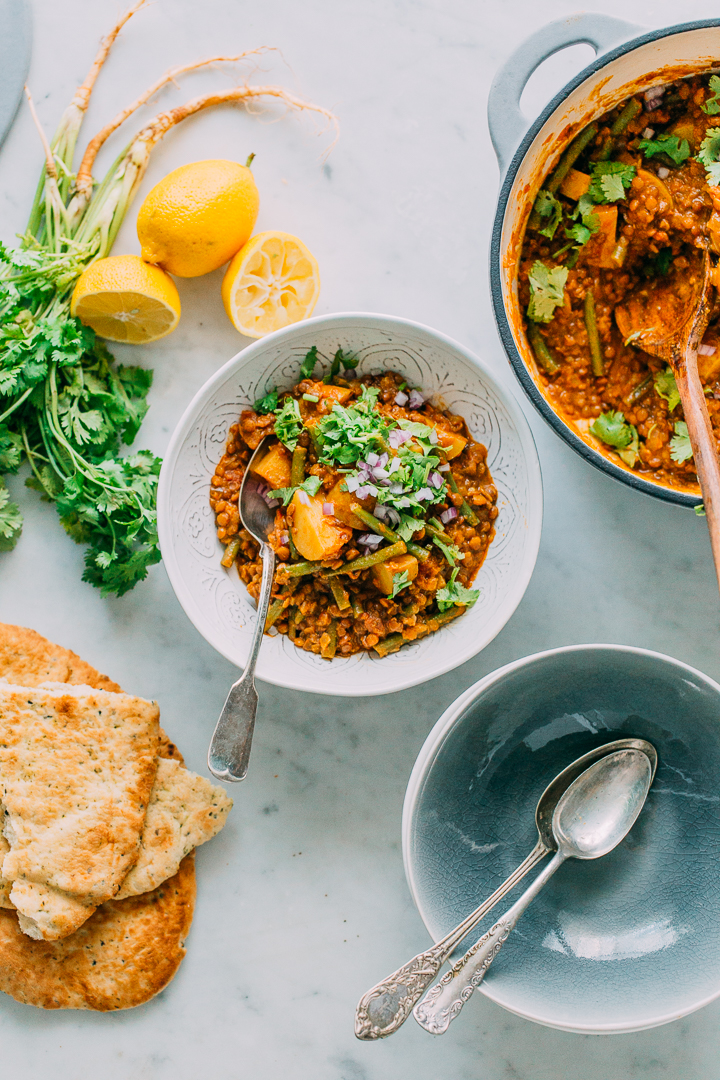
(229, 751)
(386, 1007)
(596, 812)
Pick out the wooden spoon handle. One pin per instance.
(702, 440)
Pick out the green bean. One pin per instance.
(598, 363)
(437, 530)
(275, 611)
(390, 644)
(570, 156)
(465, 509)
(540, 347)
(299, 568)
(444, 617)
(356, 605)
(231, 552)
(387, 533)
(629, 113)
(366, 561)
(291, 544)
(638, 392)
(328, 651)
(341, 597)
(297, 468)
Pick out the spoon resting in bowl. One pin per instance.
(229, 753)
(594, 814)
(667, 318)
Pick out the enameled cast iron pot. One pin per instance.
(628, 61)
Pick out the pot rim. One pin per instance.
(594, 457)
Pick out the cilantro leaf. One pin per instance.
(680, 448)
(666, 387)
(658, 265)
(348, 432)
(677, 150)
(10, 521)
(311, 484)
(612, 429)
(712, 104)
(453, 594)
(308, 365)
(400, 581)
(268, 403)
(709, 155)
(10, 450)
(341, 359)
(408, 527)
(547, 206)
(288, 423)
(450, 551)
(609, 181)
(700, 510)
(547, 287)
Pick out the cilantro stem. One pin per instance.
(18, 403)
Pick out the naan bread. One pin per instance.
(147, 932)
(77, 767)
(185, 810)
(121, 957)
(27, 659)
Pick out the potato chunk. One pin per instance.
(343, 505)
(316, 535)
(334, 393)
(575, 184)
(601, 244)
(452, 443)
(275, 467)
(385, 572)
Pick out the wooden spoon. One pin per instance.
(667, 318)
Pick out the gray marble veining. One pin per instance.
(309, 865)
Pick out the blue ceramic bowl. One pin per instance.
(623, 943)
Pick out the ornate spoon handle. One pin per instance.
(386, 1007)
(445, 1000)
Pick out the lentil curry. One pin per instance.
(385, 509)
(631, 200)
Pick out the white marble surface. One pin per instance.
(302, 900)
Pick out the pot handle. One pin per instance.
(507, 124)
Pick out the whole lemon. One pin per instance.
(198, 216)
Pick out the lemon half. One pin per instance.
(124, 299)
(272, 282)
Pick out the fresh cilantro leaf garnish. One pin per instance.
(10, 521)
(347, 433)
(308, 365)
(10, 450)
(341, 359)
(712, 104)
(680, 448)
(676, 149)
(612, 429)
(709, 155)
(666, 387)
(288, 423)
(267, 404)
(700, 510)
(547, 206)
(547, 287)
(400, 581)
(408, 527)
(311, 484)
(609, 181)
(453, 594)
(450, 551)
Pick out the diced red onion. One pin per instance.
(448, 515)
(663, 173)
(435, 479)
(352, 483)
(272, 503)
(394, 465)
(285, 538)
(653, 98)
(444, 468)
(396, 489)
(379, 473)
(648, 133)
(370, 540)
(328, 509)
(392, 516)
(403, 503)
(303, 497)
(373, 459)
(424, 493)
(707, 350)
(416, 400)
(366, 491)
(397, 437)
(383, 460)
(262, 487)
(401, 399)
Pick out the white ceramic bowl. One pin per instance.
(216, 601)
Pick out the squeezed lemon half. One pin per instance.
(273, 281)
(124, 299)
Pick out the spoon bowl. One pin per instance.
(599, 809)
(255, 514)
